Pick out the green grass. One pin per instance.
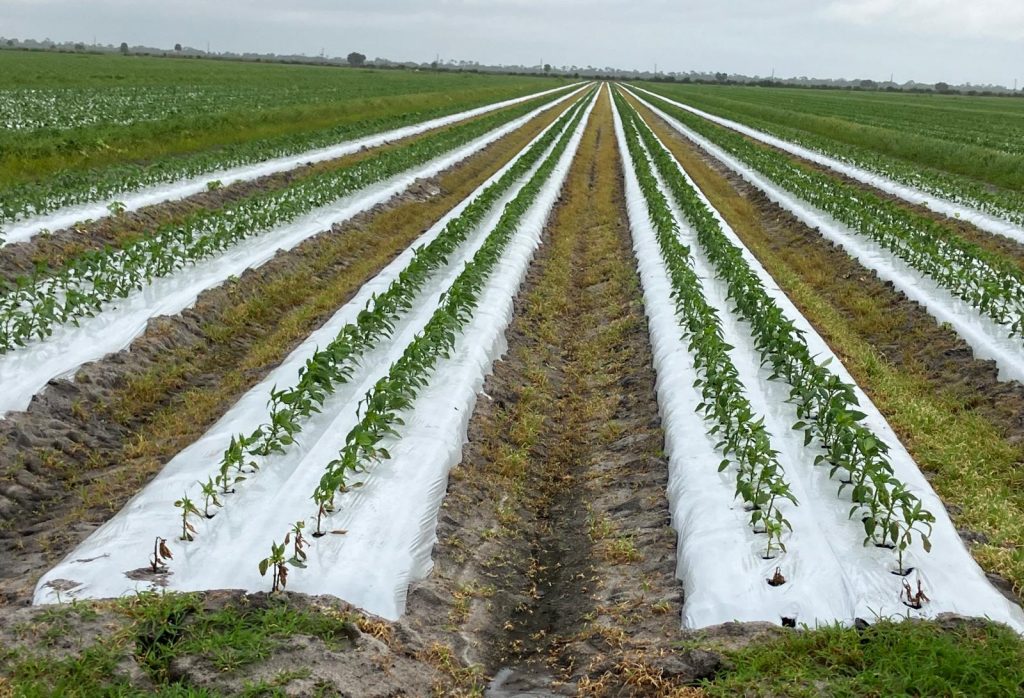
(886, 659)
(154, 629)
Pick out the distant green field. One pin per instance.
(79, 127)
(63, 112)
(962, 148)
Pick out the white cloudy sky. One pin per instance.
(977, 41)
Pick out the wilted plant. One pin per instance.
(913, 599)
(298, 541)
(161, 554)
(187, 509)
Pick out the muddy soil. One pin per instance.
(86, 445)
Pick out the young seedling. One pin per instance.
(187, 507)
(278, 564)
(776, 580)
(161, 553)
(209, 496)
(116, 208)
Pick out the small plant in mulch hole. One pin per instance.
(777, 579)
(913, 599)
(187, 508)
(209, 496)
(161, 554)
(276, 562)
(902, 572)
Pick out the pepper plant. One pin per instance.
(826, 406)
(187, 509)
(743, 439)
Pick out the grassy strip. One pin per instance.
(153, 630)
(974, 465)
(911, 658)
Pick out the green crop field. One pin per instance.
(337, 381)
(71, 113)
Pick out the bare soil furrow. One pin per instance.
(555, 566)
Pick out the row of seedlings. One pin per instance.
(744, 440)
(333, 365)
(381, 409)
(958, 189)
(77, 187)
(826, 406)
(328, 367)
(33, 306)
(989, 282)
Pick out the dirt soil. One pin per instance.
(555, 566)
(84, 446)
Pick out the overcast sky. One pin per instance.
(978, 41)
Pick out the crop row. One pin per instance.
(333, 365)
(989, 282)
(34, 306)
(75, 187)
(760, 479)
(826, 406)
(382, 406)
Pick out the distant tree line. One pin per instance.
(356, 59)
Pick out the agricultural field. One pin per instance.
(347, 382)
